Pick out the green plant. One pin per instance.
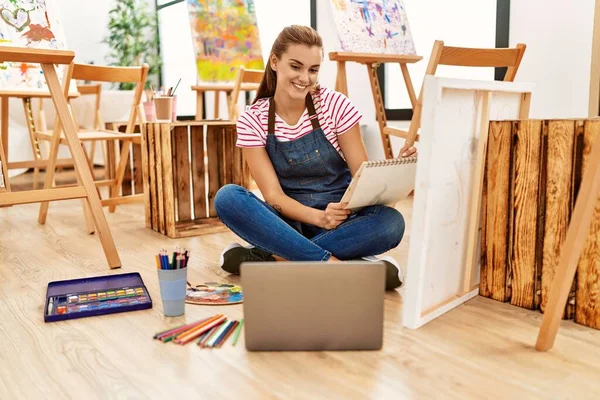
(133, 39)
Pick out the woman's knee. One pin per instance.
(392, 225)
(227, 197)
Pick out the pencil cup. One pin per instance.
(150, 111)
(172, 290)
(164, 108)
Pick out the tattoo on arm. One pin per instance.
(276, 207)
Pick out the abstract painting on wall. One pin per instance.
(373, 26)
(33, 24)
(225, 36)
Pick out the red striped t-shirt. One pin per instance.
(335, 111)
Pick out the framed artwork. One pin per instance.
(28, 23)
(225, 36)
(373, 26)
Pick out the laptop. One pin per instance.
(313, 305)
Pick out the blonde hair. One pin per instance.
(294, 34)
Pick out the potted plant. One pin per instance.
(133, 38)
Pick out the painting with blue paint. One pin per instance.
(373, 26)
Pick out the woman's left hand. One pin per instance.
(408, 150)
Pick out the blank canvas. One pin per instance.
(451, 127)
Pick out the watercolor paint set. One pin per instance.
(86, 297)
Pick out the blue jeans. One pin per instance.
(371, 231)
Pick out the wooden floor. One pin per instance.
(482, 349)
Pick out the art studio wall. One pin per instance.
(558, 58)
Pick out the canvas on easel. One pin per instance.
(31, 24)
(225, 36)
(443, 266)
(373, 26)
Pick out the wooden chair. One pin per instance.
(85, 188)
(96, 73)
(455, 56)
(246, 79)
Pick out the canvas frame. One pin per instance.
(443, 268)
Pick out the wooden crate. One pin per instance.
(184, 164)
(532, 177)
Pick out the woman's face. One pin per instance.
(297, 70)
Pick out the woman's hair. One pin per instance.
(294, 34)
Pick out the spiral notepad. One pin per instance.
(381, 182)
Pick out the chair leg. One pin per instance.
(123, 159)
(49, 182)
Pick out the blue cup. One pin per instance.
(172, 290)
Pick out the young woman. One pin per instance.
(303, 145)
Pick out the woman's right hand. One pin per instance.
(334, 215)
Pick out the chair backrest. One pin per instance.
(466, 57)
(473, 57)
(247, 80)
(137, 75)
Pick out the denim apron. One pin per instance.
(310, 169)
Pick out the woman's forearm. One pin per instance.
(296, 211)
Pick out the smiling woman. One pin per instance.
(303, 145)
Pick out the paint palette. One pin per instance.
(213, 293)
(100, 295)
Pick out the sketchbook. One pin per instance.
(381, 182)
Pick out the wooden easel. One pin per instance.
(85, 188)
(372, 61)
(570, 253)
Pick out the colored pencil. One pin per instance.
(189, 336)
(218, 333)
(208, 336)
(179, 329)
(237, 332)
(227, 333)
(204, 337)
(199, 326)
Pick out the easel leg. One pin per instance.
(409, 85)
(35, 146)
(4, 128)
(50, 169)
(81, 167)
(341, 85)
(571, 251)
(379, 109)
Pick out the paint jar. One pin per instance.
(172, 290)
(164, 108)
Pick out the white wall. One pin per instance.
(558, 56)
(85, 27)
